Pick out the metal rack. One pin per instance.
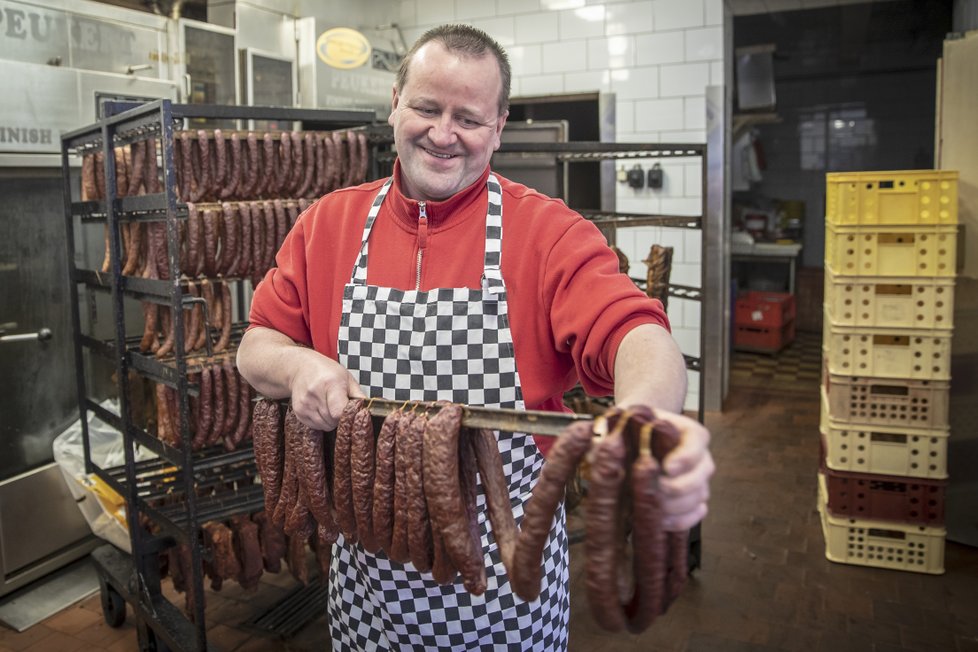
(182, 488)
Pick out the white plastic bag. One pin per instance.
(102, 507)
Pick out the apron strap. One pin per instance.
(359, 276)
(492, 277)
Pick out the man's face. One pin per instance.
(446, 121)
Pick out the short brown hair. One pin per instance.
(466, 40)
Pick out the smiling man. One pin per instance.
(447, 282)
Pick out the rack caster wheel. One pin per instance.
(155, 644)
(113, 605)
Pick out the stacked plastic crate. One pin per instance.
(890, 247)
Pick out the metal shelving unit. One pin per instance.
(181, 488)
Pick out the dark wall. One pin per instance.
(855, 91)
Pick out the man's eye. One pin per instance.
(469, 123)
(427, 112)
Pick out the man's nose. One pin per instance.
(442, 131)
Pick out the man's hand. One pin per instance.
(685, 487)
(277, 367)
(320, 389)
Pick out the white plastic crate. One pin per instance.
(886, 450)
(882, 544)
(887, 401)
(891, 302)
(907, 251)
(921, 354)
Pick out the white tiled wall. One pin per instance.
(657, 57)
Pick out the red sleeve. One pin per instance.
(278, 300)
(592, 306)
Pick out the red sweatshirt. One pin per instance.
(569, 306)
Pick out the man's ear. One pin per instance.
(499, 130)
(395, 99)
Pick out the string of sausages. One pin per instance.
(220, 415)
(659, 265)
(410, 492)
(241, 549)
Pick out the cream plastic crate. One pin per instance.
(908, 251)
(887, 401)
(897, 197)
(887, 352)
(892, 302)
(882, 544)
(886, 450)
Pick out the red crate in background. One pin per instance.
(900, 499)
(767, 309)
(763, 339)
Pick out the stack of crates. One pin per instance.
(890, 247)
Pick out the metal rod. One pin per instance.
(537, 422)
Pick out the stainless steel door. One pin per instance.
(37, 386)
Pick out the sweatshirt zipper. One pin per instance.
(422, 240)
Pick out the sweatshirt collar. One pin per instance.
(439, 212)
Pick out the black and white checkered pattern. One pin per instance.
(446, 344)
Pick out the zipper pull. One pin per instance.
(422, 225)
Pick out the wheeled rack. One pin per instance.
(182, 487)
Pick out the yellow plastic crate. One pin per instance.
(885, 450)
(921, 354)
(881, 544)
(892, 302)
(897, 197)
(907, 251)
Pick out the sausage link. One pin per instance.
(151, 173)
(330, 160)
(324, 552)
(496, 489)
(296, 559)
(231, 389)
(219, 402)
(253, 164)
(290, 482)
(281, 227)
(267, 181)
(138, 153)
(649, 546)
(99, 175)
(132, 240)
(121, 173)
(468, 469)
(272, 539)
(268, 253)
(258, 236)
(205, 178)
(225, 339)
(342, 478)
(339, 167)
(311, 469)
(605, 532)
(362, 160)
(295, 176)
(284, 168)
(443, 490)
(234, 171)
(244, 425)
(150, 311)
(169, 334)
(319, 172)
(399, 535)
(244, 245)
(210, 242)
(383, 490)
(164, 424)
(420, 546)
(309, 170)
(362, 478)
(229, 243)
(89, 191)
(538, 516)
(269, 445)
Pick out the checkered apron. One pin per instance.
(449, 344)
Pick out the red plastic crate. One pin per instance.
(764, 339)
(898, 499)
(768, 309)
